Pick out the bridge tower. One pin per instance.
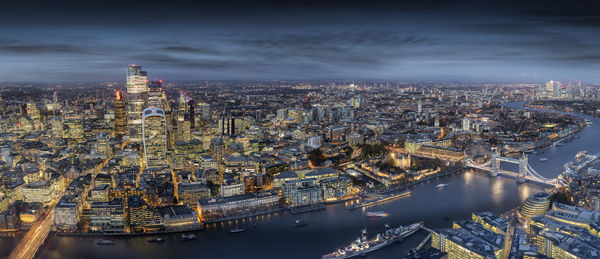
(523, 165)
(495, 163)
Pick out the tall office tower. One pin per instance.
(550, 88)
(553, 89)
(154, 131)
(137, 99)
(190, 115)
(156, 96)
(120, 114)
(204, 111)
(227, 126)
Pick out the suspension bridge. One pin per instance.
(525, 173)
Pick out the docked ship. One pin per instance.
(364, 245)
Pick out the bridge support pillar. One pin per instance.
(523, 165)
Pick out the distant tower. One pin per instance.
(227, 125)
(120, 114)
(137, 99)
(191, 114)
(204, 111)
(154, 130)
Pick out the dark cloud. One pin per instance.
(42, 49)
(489, 40)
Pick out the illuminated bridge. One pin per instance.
(526, 172)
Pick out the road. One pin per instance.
(34, 239)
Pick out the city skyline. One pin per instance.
(268, 40)
(327, 129)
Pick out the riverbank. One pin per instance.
(100, 234)
(245, 215)
(402, 187)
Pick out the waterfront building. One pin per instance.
(66, 214)
(301, 192)
(107, 216)
(534, 205)
(155, 138)
(179, 217)
(440, 152)
(334, 188)
(120, 114)
(30, 214)
(140, 215)
(9, 219)
(137, 99)
(222, 207)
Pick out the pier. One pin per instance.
(379, 200)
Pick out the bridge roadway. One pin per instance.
(35, 237)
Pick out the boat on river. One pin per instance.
(236, 230)
(364, 244)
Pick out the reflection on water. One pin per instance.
(468, 177)
(525, 192)
(497, 191)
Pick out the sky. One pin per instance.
(492, 41)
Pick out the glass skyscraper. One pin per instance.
(137, 99)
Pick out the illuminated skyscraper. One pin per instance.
(120, 114)
(154, 136)
(137, 99)
(156, 96)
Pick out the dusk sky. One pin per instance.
(405, 40)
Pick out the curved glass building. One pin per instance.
(535, 205)
(154, 131)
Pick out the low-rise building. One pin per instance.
(66, 214)
(107, 216)
(179, 217)
(223, 207)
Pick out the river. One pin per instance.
(271, 236)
